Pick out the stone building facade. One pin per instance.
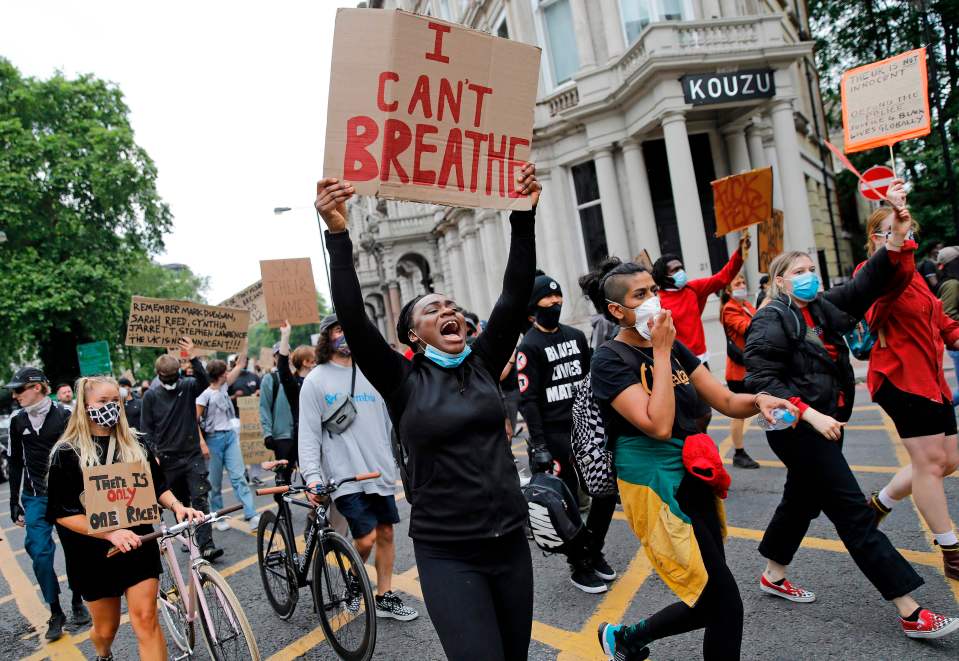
(641, 103)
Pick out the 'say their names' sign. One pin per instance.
(704, 88)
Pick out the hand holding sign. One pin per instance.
(527, 184)
(331, 197)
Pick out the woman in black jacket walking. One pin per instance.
(467, 508)
(795, 350)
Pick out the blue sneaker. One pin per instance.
(610, 639)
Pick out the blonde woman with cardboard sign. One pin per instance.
(98, 435)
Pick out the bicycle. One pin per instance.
(342, 593)
(209, 599)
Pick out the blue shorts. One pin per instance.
(364, 511)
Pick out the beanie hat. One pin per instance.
(702, 460)
(543, 286)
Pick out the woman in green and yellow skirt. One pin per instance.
(671, 480)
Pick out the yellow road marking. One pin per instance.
(856, 468)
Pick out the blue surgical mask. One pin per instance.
(680, 279)
(444, 359)
(805, 286)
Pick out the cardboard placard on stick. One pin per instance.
(158, 322)
(251, 432)
(289, 291)
(770, 238)
(250, 298)
(119, 496)
(885, 102)
(644, 260)
(439, 113)
(743, 200)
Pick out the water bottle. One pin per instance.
(783, 419)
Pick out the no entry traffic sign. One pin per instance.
(880, 177)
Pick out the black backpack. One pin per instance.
(553, 514)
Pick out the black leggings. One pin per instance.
(720, 609)
(479, 594)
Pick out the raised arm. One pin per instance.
(495, 345)
(714, 283)
(384, 367)
(241, 359)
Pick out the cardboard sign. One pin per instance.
(643, 260)
(265, 360)
(885, 102)
(94, 358)
(157, 322)
(251, 432)
(770, 238)
(119, 496)
(289, 291)
(250, 299)
(743, 200)
(436, 112)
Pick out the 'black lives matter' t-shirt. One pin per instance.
(610, 376)
(550, 367)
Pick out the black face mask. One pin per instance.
(548, 318)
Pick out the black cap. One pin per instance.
(543, 286)
(328, 322)
(26, 376)
(125, 382)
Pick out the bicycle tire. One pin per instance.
(220, 610)
(171, 606)
(274, 562)
(341, 623)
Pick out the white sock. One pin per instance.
(888, 501)
(946, 538)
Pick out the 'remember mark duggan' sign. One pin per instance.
(157, 322)
(434, 112)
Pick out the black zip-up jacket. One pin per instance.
(168, 417)
(30, 450)
(783, 360)
(451, 421)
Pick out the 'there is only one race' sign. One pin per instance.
(429, 111)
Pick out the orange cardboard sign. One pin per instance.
(289, 291)
(435, 112)
(743, 200)
(770, 236)
(885, 102)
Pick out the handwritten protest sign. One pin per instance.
(119, 496)
(157, 322)
(250, 299)
(770, 238)
(289, 291)
(251, 433)
(743, 200)
(885, 102)
(438, 113)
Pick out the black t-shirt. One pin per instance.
(927, 269)
(610, 376)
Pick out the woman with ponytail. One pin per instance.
(99, 423)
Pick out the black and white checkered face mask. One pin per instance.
(107, 415)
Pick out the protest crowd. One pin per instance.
(615, 418)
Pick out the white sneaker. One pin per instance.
(222, 525)
(254, 522)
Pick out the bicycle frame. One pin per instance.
(312, 539)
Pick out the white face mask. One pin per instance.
(123, 393)
(740, 294)
(644, 312)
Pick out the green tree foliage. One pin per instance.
(79, 205)
(850, 34)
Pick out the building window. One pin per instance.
(637, 14)
(556, 22)
(590, 211)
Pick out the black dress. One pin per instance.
(97, 576)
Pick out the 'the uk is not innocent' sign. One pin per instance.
(437, 112)
(705, 88)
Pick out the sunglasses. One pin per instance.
(22, 389)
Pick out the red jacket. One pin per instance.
(687, 304)
(913, 328)
(736, 317)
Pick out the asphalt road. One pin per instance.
(849, 621)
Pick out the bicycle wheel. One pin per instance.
(275, 556)
(231, 630)
(344, 599)
(173, 611)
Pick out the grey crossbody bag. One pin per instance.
(337, 420)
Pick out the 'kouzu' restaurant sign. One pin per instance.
(705, 88)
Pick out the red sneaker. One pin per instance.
(787, 591)
(929, 625)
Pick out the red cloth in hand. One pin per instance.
(701, 459)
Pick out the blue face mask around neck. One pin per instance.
(444, 359)
(805, 286)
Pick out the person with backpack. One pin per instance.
(671, 479)
(736, 315)
(907, 380)
(795, 349)
(552, 360)
(467, 511)
(276, 419)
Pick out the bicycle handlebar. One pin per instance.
(180, 527)
(320, 489)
